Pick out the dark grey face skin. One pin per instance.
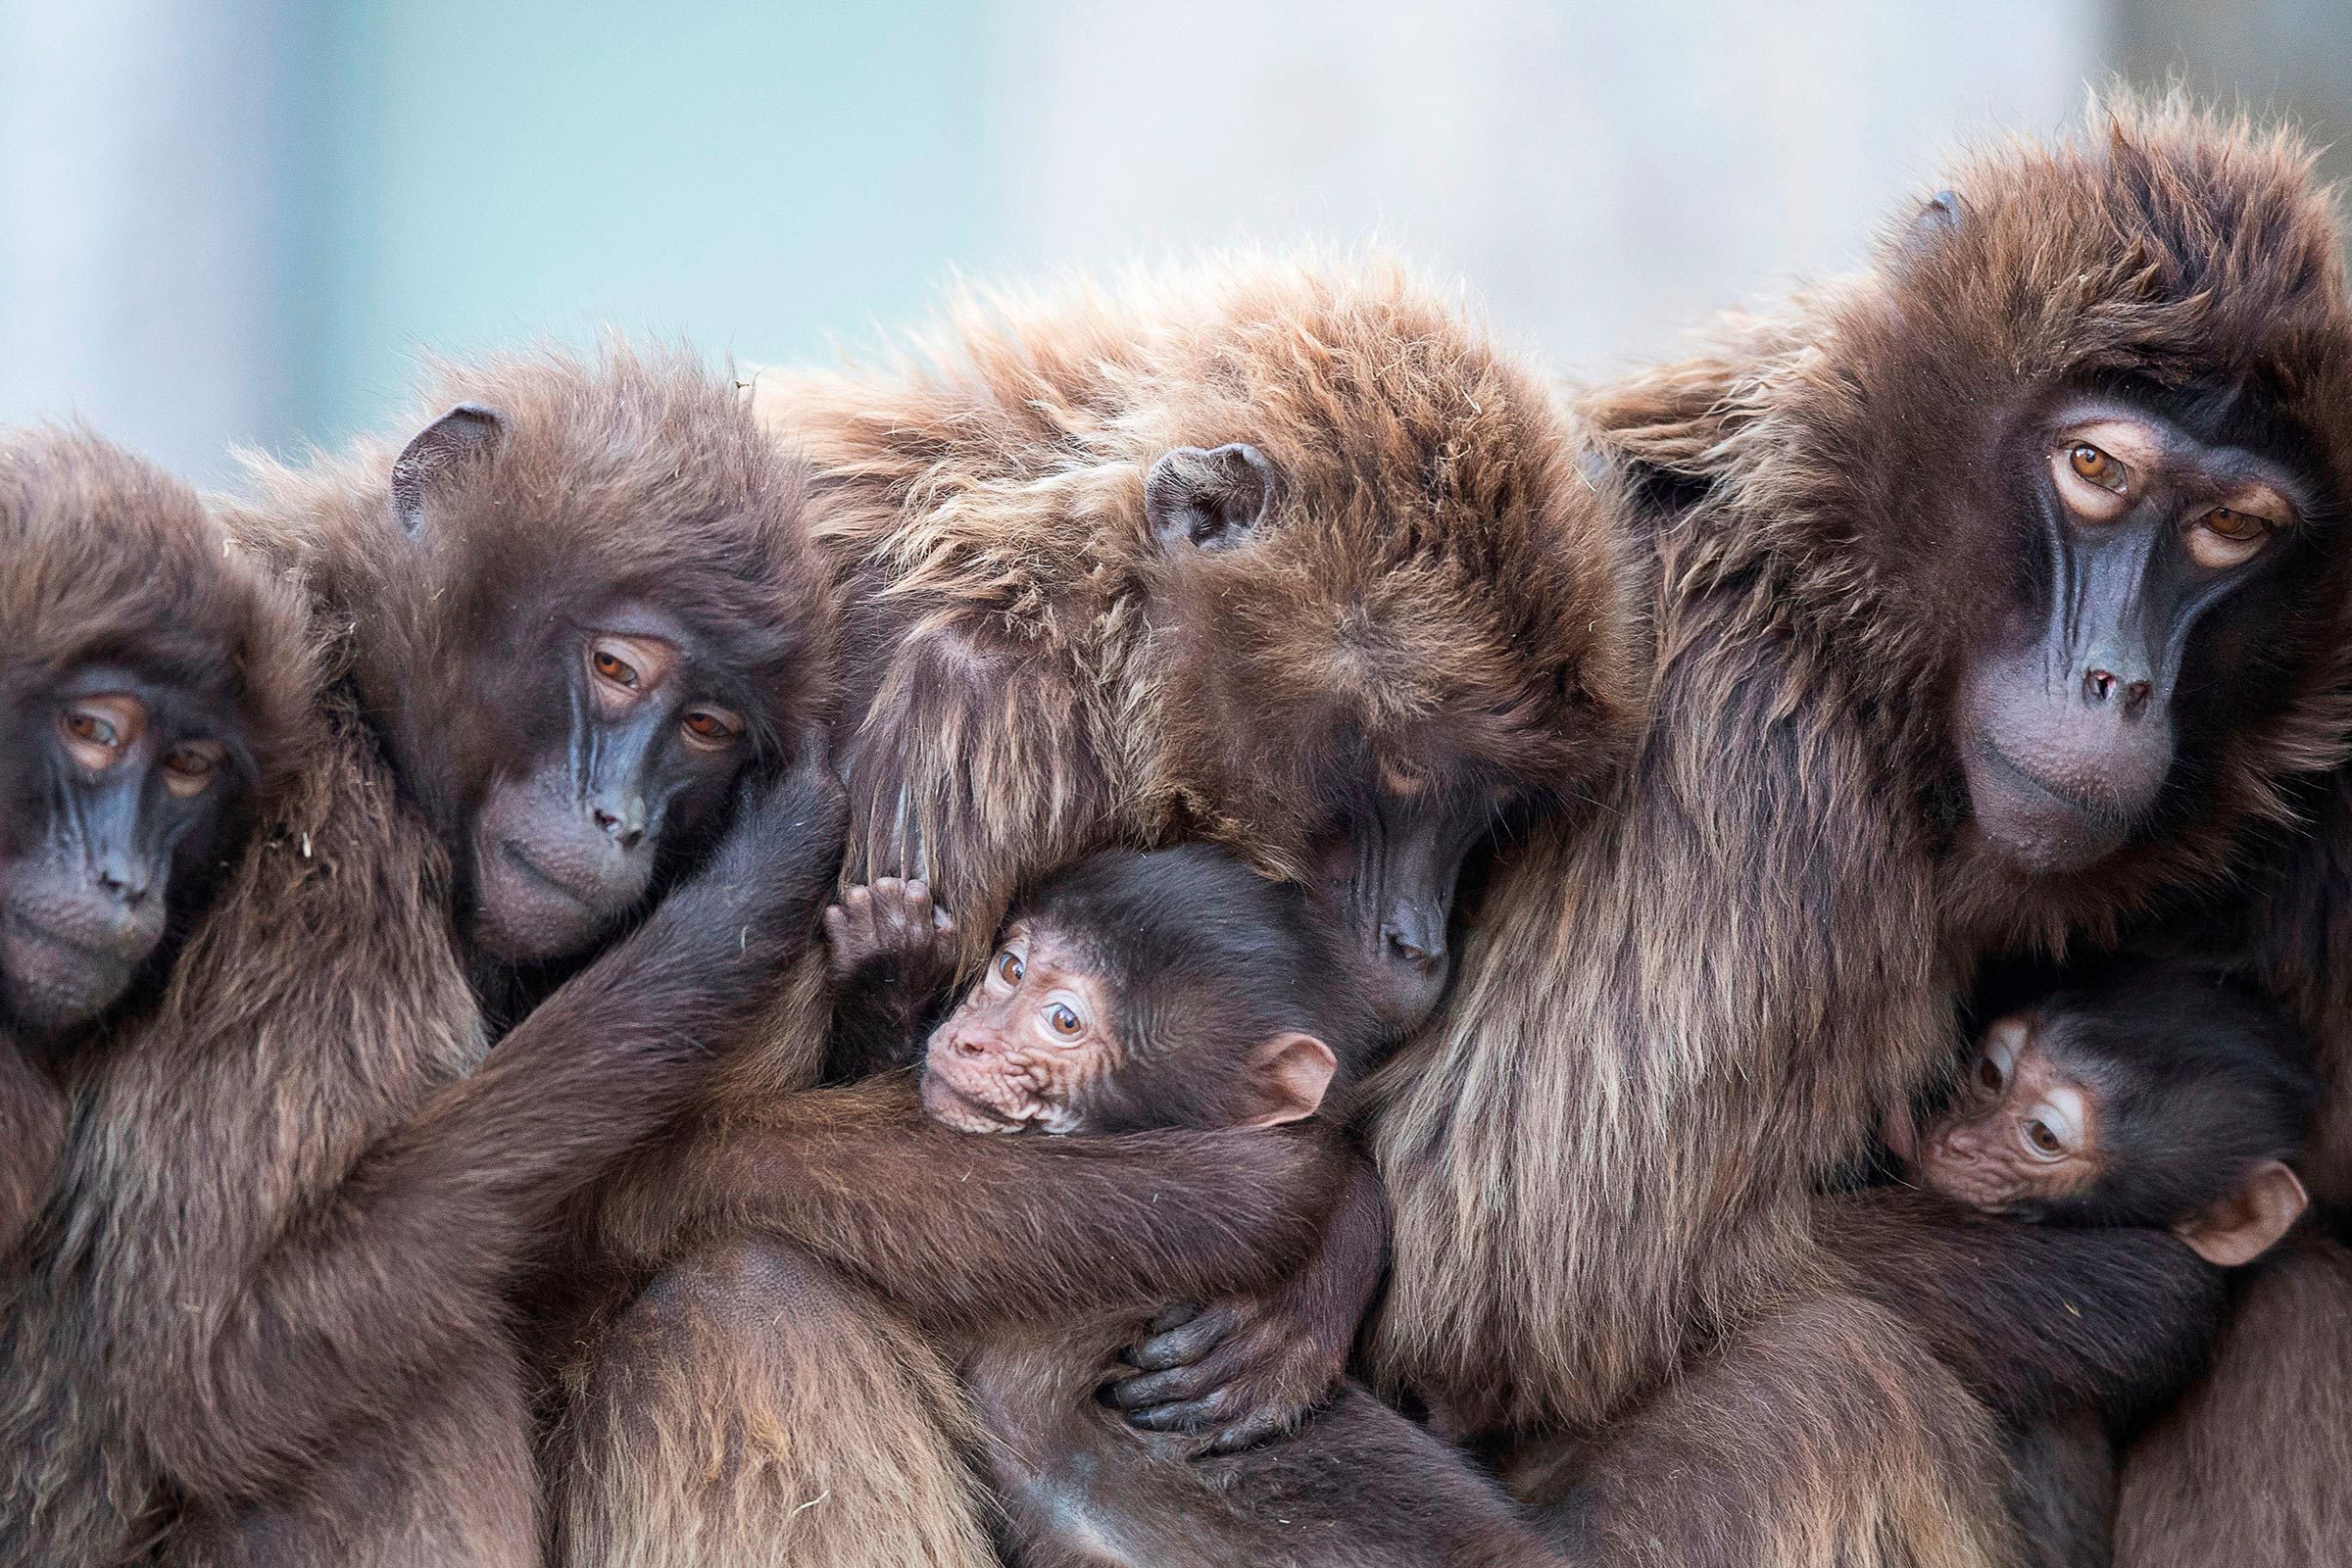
(1387, 883)
(565, 846)
(2065, 736)
(120, 791)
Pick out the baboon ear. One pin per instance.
(1208, 500)
(1285, 1079)
(1939, 217)
(464, 433)
(2242, 1224)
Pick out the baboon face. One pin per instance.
(121, 783)
(1361, 700)
(598, 615)
(2133, 521)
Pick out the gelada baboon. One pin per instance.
(573, 641)
(1287, 557)
(2250, 1466)
(1280, 555)
(148, 680)
(1998, 586)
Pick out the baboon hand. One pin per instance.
(893, 924)
(1228, 1375)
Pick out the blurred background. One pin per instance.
(238, 221)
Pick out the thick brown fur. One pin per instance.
(1671, 1026)
(2250, 1466)
(1027, 679)
(266, 1310)
(855, 1197)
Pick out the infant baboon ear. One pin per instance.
(2244, 1222)
(464, 433)
(1283, 1080)
(1208, 500)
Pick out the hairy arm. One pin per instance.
(2034, 1319)
(1240, 1370)
(961, 1229)
(382, 1268)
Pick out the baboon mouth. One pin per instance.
(965, 1111)
(2099, 814)
(21, 927)
(511, 853)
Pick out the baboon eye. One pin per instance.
(189, 769)
(613, 667)
(90, 730)
(1062, 1019)
(1009, 967)
(1989, 1073)
(2044, 1141)
(2097, 467)
(2224, 536)
(98, 732)
(711, 729)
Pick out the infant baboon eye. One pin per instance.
(1989, 1073)
(1009, 967)
(1062, 1020)
(2043, 1140)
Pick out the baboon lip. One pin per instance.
(20, 924)
(511, 853)
(2098, 813)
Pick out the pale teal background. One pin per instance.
(754, 176)
(239, 221)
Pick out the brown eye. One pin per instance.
(1062, 1020)
(2043, 1140)
(2095, 466)
(1009, 967)
(711, 729)
(613, 667)
(2235, 526)
(90, 729)
(1989, 1073)
(189, 771)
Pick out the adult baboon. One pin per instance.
(1996, 588)
(148, 680)
(1286, 557)
(574, 647)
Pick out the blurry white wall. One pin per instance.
(1602, 173)
(241, 219)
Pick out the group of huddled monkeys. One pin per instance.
(1211, 924)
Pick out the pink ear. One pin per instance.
(1283, 1080)
(2242, 1224)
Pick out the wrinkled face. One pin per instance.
(624, 745)
(2066, 729)
(124, 788)
(2022, 1130)
(1022, 1053)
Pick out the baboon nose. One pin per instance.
(622, 829)
(1414, 940)
(2103, 686)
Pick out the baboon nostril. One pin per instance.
(2098, 684)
